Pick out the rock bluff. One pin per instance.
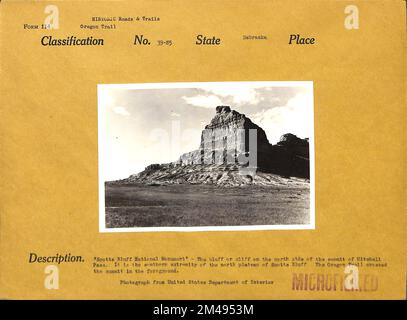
(230, 142)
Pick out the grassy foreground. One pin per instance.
(141, 205)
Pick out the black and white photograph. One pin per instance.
(206, 156)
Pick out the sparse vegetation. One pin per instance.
(180, 205)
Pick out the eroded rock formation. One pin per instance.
(229, 143)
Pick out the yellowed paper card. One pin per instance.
(176, 149)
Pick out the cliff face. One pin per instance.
(229, 143)
(226, 138)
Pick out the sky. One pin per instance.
(141, 125)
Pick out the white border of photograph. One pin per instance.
(102, 117)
